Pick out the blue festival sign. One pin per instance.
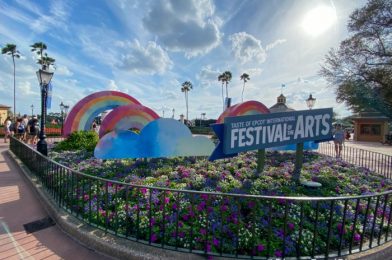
(253, 132)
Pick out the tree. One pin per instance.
(10, 49)
(361, 68)
(245, 78)
(227, 79)
(45, 61)
(221, 78)
(186, 87)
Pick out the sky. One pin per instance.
(148, 48)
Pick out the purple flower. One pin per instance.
(224, 208)
(357, 237)
(203, 231)
(290, 226)
(260, 247)
(278, 253)
(251, 204)
(215, 242)
(341, 229)
(153, 237)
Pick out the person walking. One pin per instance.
(25, 123)
(338, 139)
(7, 129)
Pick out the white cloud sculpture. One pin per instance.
(184, 26)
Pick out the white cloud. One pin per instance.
(247, 48)
(24, 88)
(253, 72)
(207, 75)
(274, 44)
(64, 71)
(185, 26)
(151, 59)
(112, 85)
(57, 18)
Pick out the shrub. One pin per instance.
(80, 140)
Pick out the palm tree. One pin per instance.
(10, 49)
(221, 77)
(245, 78)
(227, 78)
(44, 60)
(186, 87)
(38, 48)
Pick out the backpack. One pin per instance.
(31, 126)
(21, 128)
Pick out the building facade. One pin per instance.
(370, 126)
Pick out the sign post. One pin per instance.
(260, 160)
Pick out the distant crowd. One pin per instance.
(24, 128)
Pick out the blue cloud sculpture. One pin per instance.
(310, 145)
(160, 138)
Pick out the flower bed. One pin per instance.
(216, 223)
(237, 175)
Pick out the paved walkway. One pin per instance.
(19, 205)
(371, 146)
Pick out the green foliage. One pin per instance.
(360, 69)
(80, 140)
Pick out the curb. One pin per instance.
(97, 240)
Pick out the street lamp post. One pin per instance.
(310, 102)
(44, 76)
(173, 113)
(32, 110)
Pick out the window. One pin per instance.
(370, 129)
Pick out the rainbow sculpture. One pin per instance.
(126, 117)
(83, 113)
(243, 109)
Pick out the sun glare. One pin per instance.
(319, 20)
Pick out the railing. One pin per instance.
(378, 162)
(217, 224)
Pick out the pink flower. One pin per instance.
(167, 200)
(357, 237)
(215, 242)
(143, 190)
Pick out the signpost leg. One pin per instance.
(299, 158)
(260, 160)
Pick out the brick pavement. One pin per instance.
(19, 205)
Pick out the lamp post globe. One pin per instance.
(44, 76)
(310, 101)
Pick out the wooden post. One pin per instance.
(260, 160)
(299, 158)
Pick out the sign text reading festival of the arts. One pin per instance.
(245, 133)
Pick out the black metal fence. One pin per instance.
(217, 224)
(378, 162)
